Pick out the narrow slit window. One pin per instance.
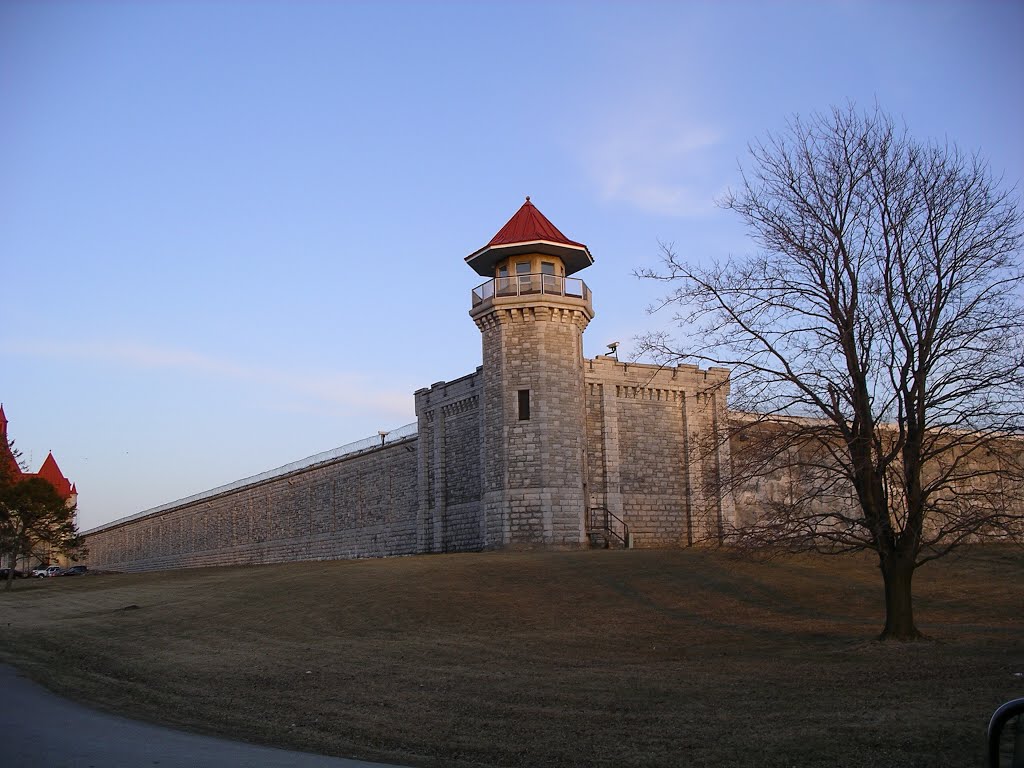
(524, 405)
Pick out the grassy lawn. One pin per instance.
(606, 658)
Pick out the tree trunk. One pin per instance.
(10, 572)
(898, 574)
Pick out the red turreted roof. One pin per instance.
(529, 224)
(529, 231)
(51, 473)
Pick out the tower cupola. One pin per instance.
(530, 260)
(529, 232)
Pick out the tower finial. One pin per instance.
(527, 198)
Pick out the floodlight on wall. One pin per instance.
(383, 435)
(613, 350)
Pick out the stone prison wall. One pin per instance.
(362, 505)
(426, 492)
(451, 465)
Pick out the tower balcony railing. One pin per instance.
(534, 284)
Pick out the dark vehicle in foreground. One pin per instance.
(5, 572)
(76, 570)
(1005, 741)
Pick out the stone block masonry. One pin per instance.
(534, 459)
(643, 451)
(654, 457)
(449, 468)
(513, 454)
(364, 505)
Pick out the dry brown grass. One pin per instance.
(607, 658)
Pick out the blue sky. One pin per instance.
(232, 233)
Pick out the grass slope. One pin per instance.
(605, 658)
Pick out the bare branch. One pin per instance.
(876, 341)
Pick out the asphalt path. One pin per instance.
(39, 729)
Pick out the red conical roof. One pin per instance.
(529, 224)
(529, 231)
(51, 473)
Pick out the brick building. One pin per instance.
(49, 471)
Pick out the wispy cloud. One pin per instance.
(654, 159)
(314, 390)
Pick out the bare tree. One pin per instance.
(876, 340)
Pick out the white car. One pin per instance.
(46, 571)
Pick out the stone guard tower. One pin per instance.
(532, 315)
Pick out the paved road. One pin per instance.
(39, 729)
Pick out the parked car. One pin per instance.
(4, 572)
(77, 570)
(45, 571)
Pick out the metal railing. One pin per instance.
(610, 525)
(533, 284)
